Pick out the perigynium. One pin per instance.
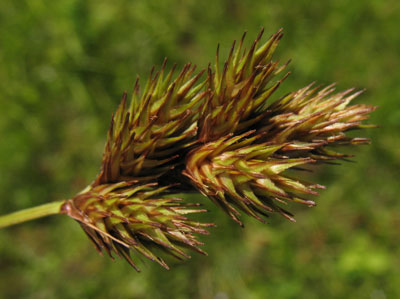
(219, 131)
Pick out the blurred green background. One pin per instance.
(63, 68)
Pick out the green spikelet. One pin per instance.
(240, 172)
(241, 89)
(128, 216)
(146, 137)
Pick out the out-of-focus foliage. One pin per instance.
(63, 68)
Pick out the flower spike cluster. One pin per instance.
(221, 134)
(220, 131)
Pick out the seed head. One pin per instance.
(222, 135)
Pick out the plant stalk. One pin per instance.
(31, 213)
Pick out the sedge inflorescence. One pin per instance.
(220, 132)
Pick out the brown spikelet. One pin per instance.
(128, 216)
(243, 173)
(315, 120)
(146, 137)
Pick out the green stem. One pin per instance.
(31, 213)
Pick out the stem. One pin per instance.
(31, 213)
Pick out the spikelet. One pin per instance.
(128, 216)
(146, 138)
(241, 89)
(239, 171)
(315, 121)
